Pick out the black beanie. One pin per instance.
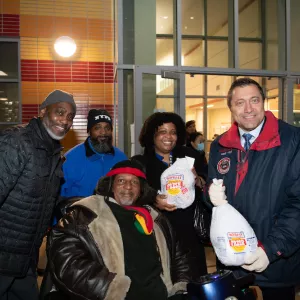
(96, 116)
(58, 96)
(133, 167)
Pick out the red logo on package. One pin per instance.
(237, 241)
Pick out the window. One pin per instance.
(9, 83)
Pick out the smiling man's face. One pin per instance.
(58, 119)
(247, 107)
(126, 189)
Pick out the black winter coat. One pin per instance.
(182, 220)
(201, 165)
(30, 175)
(86, 256)
(265, 188)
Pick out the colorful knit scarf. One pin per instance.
(143, 220)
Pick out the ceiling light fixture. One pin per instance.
(2, 73)
(65, 46)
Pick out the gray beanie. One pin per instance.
(58, 96)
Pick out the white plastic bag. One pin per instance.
(231, 235)
(178, 182)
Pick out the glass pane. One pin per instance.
(192, 53)
(218, 85)
(194, 111)
(250, 55)
(250, 18)
(272, 96)
(295, 41)
(164, 104)
(217, 17)
(218, 117)
(275, 33)
(9, 103)
(8, 60)
(154, 87)
(217, 55)
(192, 17)
(296, 109)
(257, 79)
(164, 52)
(194, 85)
(164, 16)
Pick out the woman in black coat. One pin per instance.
(197, 145)
(163, 137)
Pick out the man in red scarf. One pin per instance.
(113, 245)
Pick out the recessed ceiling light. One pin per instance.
(2, 73)
(3, 99)
(192, 18)
(165, 17)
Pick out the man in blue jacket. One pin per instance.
(258, 159)
(87, 162)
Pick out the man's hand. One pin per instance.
(162, 204)
(257, 261)
(217, 192)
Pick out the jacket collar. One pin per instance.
(268, 138)
(89, 152)
(96, 204)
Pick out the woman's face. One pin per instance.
(165, 138)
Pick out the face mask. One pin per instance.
(200, 147)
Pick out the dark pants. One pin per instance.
(23, 288)
(285, 293)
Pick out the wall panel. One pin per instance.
(88, 74)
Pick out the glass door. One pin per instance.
(296, 102)
(153, 93)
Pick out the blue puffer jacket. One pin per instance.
(265, 189)
(83, 168)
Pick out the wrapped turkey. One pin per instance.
(178, 182)
(231, 235)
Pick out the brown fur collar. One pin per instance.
(106, 232)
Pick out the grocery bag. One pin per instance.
(178, 183)
(231, 235)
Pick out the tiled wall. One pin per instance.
(88, 74)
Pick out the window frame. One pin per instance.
(17, 80)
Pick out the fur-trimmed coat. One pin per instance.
(86, 255)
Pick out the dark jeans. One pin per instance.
(285, 293)
(23, 288)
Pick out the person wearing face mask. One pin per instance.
(88, 161)
(30, 177)
(190, 127)
(197, 144)
(163, 138)
(114, 245)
